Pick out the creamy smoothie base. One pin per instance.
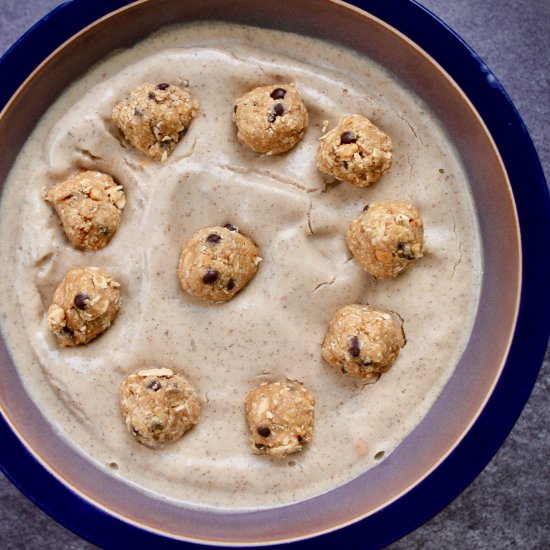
(274, 328)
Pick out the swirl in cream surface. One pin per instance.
(274, 328)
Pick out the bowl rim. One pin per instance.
(529, 342)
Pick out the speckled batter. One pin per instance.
(274, 328)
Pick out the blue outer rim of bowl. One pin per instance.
(528, 345)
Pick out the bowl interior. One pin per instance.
(480, 366)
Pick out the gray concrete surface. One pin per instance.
(508, 505)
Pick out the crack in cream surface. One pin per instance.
(274, 328)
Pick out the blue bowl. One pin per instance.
(515, 166)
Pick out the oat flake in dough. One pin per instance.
(274, 328)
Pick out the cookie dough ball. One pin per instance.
(271, 119)
(217, 262)
(355, 151)
(89, 206)
(363, 341)
(154, 118)
(280, 418)
(386, 238)
(158, 405)
(83, 306)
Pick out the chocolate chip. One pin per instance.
(366, 207)
(154, 385)
(347, 137)
(300, 439)
(163, 86)
(138, 112)
(264, 431)
(210, 277)
(259, 446)
(152, 96)
(235, 109)
(213, 238)
(81, 300)
(67, 332)
(278, 93)
(230, 284)
(278, 110)
(230, 226)
(354, 349)
(345, 164)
